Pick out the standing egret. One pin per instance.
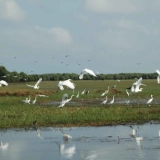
(106, 91)
(65, 100)
(158, 78)
(127, 92)
(83, 91)
(105, 101)
(77, 96)
(150, 100)
(66, 137)
(86, 71)
(34, 101)
(67, 83)
(111, 102)
(36, 85)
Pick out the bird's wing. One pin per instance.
(90, 72)
(38, 82)
(139, 82)
(158, 71)
(81, 75)
(68, 84)
(3, 83)
(29, 85)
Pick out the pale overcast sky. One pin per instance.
(106, 36)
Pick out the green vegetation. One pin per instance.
(86, 112)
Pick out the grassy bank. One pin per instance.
(14, 113)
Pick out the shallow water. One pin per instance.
(88, 143)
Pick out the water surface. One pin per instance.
(88, 143)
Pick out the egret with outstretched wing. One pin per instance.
(86, 71)
(36, 85)
(67, 83)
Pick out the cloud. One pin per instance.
(38, 38)
(110, 6)
(10, 10)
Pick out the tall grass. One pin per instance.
(14, 113)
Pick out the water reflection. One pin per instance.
(89, 143)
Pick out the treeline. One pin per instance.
(15, 77)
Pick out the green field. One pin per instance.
(85, 111)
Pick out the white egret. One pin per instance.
(65, 100)
(86, 71)
(150, 100)
(27, 100)
(4, 146)
(67, 83)
(106, 91)
(127, 92)
(36, 85)
(105, 101)
(77, 96)
(34, 101)
(158, 78)
(4, 83)
(137, 87)
(66, 137)
(83, 91)
(111, 102)
(42, 95)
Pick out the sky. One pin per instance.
(67, 36)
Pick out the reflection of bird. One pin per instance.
(111, 102)
(158, 78)
(4, 146)
(105, 101)
(67, 83)
(65, 100)
(36, 85)
(66, 151)
(3, 83)
(86, 71)
(39, 134)
(150, 100)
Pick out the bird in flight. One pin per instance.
(36, 85)
(67, 83)
(86, 71)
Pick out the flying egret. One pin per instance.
(106, 91)
(105, 101)
(137, 85)
(150, 100)
(67, 83)
(4, 146)
(158, 78)
(65, 100)
(42, 95)
(36, 85)
(111, 102)
(4, 83)
(86, 71)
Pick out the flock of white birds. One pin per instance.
(135, 88)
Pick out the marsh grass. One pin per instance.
(14, 113)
